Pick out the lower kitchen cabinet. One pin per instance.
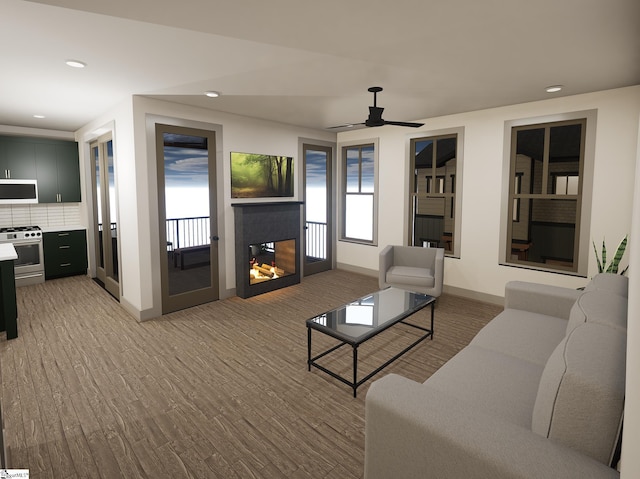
(65, 253)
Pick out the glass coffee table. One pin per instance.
(360, 320)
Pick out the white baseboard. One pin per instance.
(467, 293)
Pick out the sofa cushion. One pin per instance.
(601, 307)
(491, 382)
(614, 283)
(580, 399)
(521, 334)
(411, 275)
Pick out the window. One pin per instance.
(359, 193)
(516, 201)
(435, 165)
(545, 194)
(566, 184)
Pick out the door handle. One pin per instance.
(215, 238)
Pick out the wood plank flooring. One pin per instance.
(216, 391)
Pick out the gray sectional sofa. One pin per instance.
(538, 393)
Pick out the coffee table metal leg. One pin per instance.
(309, 348)
(355, 369)
(432, 305)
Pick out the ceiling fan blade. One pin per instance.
(404, 123)
(346, 125)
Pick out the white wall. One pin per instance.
(477, 269)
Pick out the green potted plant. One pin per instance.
(612, 267)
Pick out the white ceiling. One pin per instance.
(306, 62)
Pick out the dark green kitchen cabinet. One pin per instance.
(65, 253)
(58, 172)
(54, 163)
(17, 159)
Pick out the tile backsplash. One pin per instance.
(42, 215)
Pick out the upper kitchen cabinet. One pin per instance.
(17, 159)
(58, 172)
(54, 163)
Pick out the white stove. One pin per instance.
(19, 232)
(27, 241)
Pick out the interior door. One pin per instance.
(318, 223)
(105, 215)
(187, 216)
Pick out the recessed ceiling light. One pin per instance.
(76, 63)
(39, 116)
(553, 88)
(212, 94)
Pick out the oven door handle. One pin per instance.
(26, 243)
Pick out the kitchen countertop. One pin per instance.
(7, 252)
(51, 229)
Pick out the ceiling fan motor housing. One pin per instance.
(375, 116)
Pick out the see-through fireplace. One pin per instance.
(267, 246)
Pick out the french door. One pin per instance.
(105, 215)
(318, 214)
(186, 159)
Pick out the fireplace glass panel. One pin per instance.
(272, 260)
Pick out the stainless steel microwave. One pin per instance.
(14, 192)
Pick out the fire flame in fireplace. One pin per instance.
(264, 272)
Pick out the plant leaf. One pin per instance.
(595, 250)
(613, 267)
(604, 255)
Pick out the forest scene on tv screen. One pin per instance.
(261, 176)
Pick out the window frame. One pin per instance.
(455, 195)
(343, 147)
(584, 205)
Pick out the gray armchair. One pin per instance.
(413, 268)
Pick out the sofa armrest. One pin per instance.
(438, 273)
(415, 431)
(384, 263)
(540, 298)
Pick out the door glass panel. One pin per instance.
(28, 254)
(98, 199)
(105, 226)
(186, 183)
(316, 205)
(113, 220)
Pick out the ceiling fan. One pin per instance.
(375, 115)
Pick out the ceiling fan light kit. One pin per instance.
(375, 115)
